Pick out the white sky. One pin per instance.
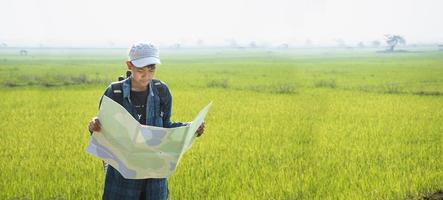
(103, 22)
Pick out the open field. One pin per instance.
(285, 124)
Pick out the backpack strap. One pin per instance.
(162, 94)
(117, 92)
(117, 96)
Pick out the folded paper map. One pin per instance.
(138, 151)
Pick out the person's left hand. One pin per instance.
(200, 130)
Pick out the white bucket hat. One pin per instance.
(142, 54)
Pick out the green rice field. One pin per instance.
(284, 124)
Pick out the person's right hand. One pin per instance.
(94, 125)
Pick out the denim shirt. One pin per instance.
(154, 115)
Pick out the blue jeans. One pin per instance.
(117, 187)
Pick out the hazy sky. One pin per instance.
(119, 23)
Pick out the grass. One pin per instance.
(282, 126)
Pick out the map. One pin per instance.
(138, 151)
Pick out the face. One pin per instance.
(141, 75)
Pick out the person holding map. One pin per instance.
(149, 101)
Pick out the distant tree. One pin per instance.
(375, 43)
(252, 44)
(361, 45)
(232, 43)
(111, 43)
(200, 42)
(308, 42)
(394, 40)
(283, 46)
(176, 46)
(3, 44)
(23, 52)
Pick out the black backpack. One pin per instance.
(117, 91)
